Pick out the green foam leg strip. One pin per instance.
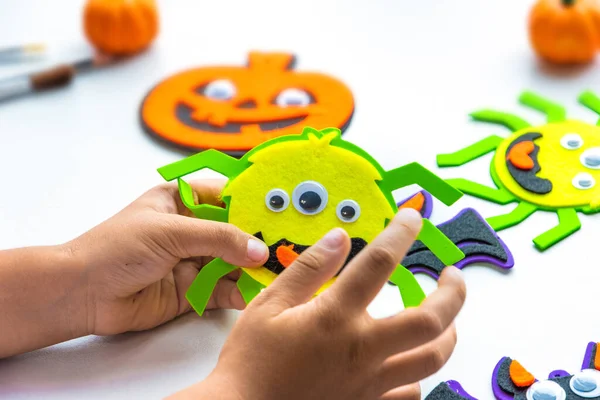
(509, 121)
(568, 223)
(469, 153)
(201, 289)
(554, 112)
(249, 288)
(516, 216)
(411, 292)
(439, 244)
(202, 211)
(591, 101)
(415, 173)
(495, 195)
(211, 159)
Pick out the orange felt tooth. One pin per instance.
(519, 155)
(286, 255)
(519, 375)
(416, 202)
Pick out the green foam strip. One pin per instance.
(518, 215)
(201, 289)
(591, 101)
(212, 159)
(202, 211)
(568, 223)
(439, 244)
(249, 288)
(510, 121)
(554, 112)
(498, 196)
(469, 153)
(411, 292)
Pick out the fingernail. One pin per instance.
(410, 213)
(257, 250)
(333, 239)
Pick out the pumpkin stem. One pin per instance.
(568, 3)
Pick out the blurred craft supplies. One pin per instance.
(22, 52)
(49, 78)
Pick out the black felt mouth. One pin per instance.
(528, 179)
(276, 267)
(184, 114)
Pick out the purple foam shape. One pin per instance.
(587, 359)
(456, 387)
(427, 203)
(498, 392)
(559, 373)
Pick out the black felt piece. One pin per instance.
(528, 179)
(504, 381)
(443, 392)
(275, 266)
(469, 232)
(593, 357)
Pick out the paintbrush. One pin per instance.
(58, 76)
(13, 53)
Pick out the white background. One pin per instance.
(71, 158)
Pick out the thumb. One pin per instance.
(315, 266)
(186, 237)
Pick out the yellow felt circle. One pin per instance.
(344, 175)
(558, 164)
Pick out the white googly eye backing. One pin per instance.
(309, 197)
(277, 200)
(546, 390)
(591, 158)
(293, 98)
(586, 383)
(348, 211)
(221, 89)
(571, 141)
(584, 181)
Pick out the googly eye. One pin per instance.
(571, 141)
(348, 211)
(309, 197)
(591, 158)
(546, 390)
(293, 98)
(586, 383)
(584, 181)
(221, 89)
(277, 200)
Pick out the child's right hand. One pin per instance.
(287, 347)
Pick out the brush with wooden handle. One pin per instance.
(52, 78)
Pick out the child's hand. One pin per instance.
(287, 347)
(140, 263)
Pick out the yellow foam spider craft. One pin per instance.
(292, 190)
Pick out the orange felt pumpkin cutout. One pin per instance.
(235, 108)
(519, 375)
(565, 31)
(120, 27)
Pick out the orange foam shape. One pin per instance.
(519, 375)
(286, 255)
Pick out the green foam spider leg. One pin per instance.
(554, 112)
(415, 173)
(568, 223)
(469, 153)
(439, 244)
(203, 211)
(495, 195)
(249, 288)
(203, 286)
(516, 216)
(411, 292)
(212, 159)
(509, 121)
(591, 101)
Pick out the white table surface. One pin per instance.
(71, 158)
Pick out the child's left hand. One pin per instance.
(141, 262)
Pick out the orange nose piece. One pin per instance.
(416, 202)
(286, 255)
(519, 155)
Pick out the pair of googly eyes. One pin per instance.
(590, 158)
(584, 384)
(310, 198)
(223, 90)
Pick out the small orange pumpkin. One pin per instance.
(565, 31)
(121, 27)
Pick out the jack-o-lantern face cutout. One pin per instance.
(233, 109)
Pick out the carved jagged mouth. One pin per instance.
(284, 252)
(184, 114)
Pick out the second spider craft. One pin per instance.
(554, 167)
(290, 191)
